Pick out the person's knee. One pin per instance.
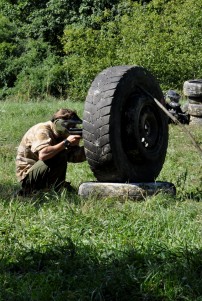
(59, 159)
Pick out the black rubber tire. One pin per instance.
(195, 110)
(193, 88)
(134, 191)
(118, 116)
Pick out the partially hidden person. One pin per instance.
(44, 153)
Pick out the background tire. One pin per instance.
(125, 133)
(195, 100)
(195, 110)
(195, 121)
(193, 88)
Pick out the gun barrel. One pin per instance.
(75, 131)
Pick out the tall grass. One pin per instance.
(61, 247)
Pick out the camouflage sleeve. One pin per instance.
(76, 154)
(42, 139)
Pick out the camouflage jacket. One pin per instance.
(35, 139)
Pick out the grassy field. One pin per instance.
(61, 247)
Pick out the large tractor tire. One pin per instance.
(125, 133)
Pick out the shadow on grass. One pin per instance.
(10, 192)
(78, 273)
(194, 195)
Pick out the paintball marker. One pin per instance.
(75, 131)
(68, 126)
(174, 108)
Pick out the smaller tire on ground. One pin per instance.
(134, 191)
(195, 110)
(193, 88)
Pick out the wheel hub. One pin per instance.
(147, 128)
(141, 128)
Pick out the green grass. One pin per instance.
(61, 247)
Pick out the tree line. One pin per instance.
(56, 47)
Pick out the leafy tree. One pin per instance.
(44, 22)
(39, 72)
(57, 47)
(168, 43)
(47, 19)
(28, 64)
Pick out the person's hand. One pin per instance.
(74, 139)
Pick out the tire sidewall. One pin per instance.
(136, 76)
(193, 88)
(195, 110)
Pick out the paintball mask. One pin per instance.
(173, 96)
(68, 126)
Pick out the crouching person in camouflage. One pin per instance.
(44, 152)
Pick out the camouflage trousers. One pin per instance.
(46, 174)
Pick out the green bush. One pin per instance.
(88, 52)
(162, 37)
(39, 72)
(165, 39)
(39, 57)
(7, 51)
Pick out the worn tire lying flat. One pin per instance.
(125, 133)
(135, 191)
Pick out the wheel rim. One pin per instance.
(147, 123)
(141, 129)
